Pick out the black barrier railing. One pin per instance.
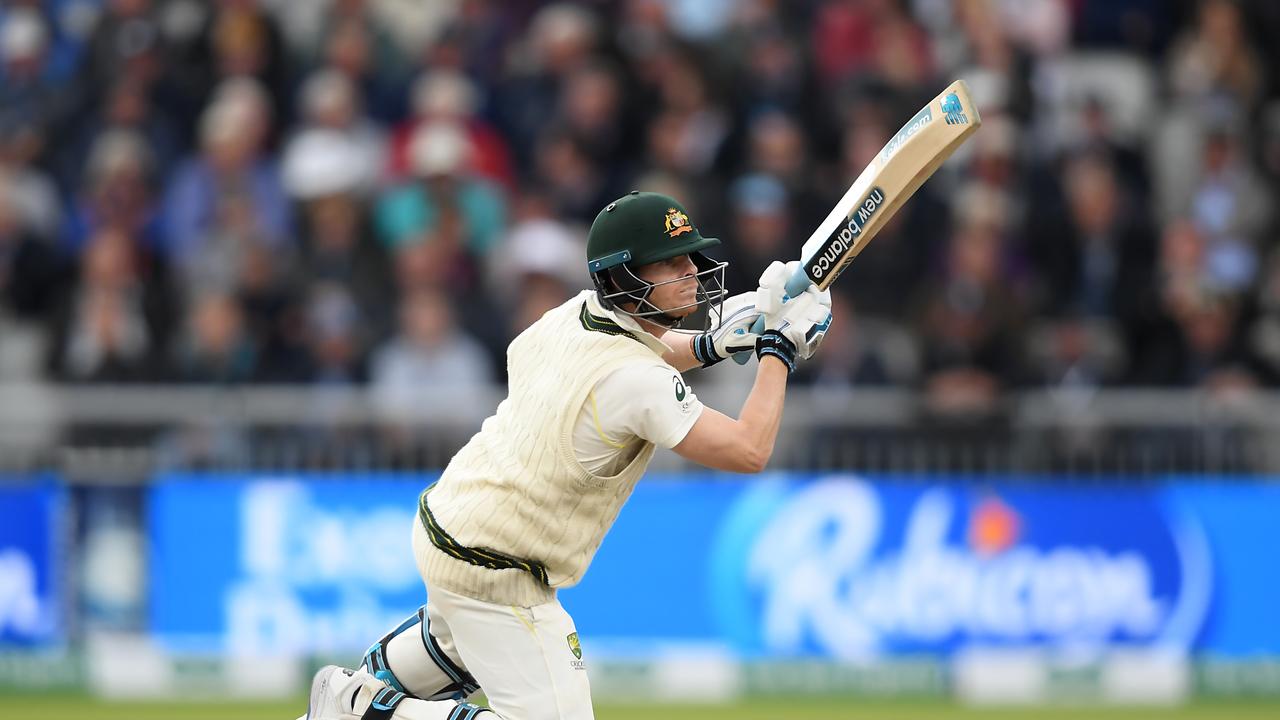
(122, 434)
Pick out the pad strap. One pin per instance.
(383, 705)
(461, 684)
(467, 711)
(464, 683)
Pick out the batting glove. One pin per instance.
(772, 292)
(803, 320)
(733, 334)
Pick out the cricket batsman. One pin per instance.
(595, 386)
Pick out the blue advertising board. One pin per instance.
(834, 566)
(252, 564)
(31, 511)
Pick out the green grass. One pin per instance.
(48, 707)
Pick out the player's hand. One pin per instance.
(734, 333)
(798, 327)
(772, 292)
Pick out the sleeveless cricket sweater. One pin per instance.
(516, 491)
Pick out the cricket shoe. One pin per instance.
(333, 693)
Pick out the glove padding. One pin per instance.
(803, 320)
(734, 335)
(772, 292)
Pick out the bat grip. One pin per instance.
(797, 284)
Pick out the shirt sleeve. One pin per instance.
(652, 402)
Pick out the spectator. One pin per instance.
(32, 277)
(125, 43)
(760, 220)
(352, 47)
(232, 179)
(430, 365)
(243, 41)
(33, 195)
(1215, 60)
(401, 27)
(1204, 348)
(776, 146)
(114, 326)
(772, 73)
(538, 267)
(998, 70)
(969, 319)
(1231, 207)
(1263, 334)
(870, 37)
(577, 186)
(324, 172)
(118, 193)
(127, 107)
(30, 271)
(214, 347)
(1075, 353)
(447, 96)
(696, 117)
(1095, 261)
(1193, 329)
(329, 104)
(561, 38)
(445, 203)
(335, 342)
(31, 97)
(592, 113)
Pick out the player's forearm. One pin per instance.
(762, 412)
(680, 356)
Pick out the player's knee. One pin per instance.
(416, 665)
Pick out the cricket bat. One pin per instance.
(913, 154)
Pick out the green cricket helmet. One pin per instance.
(640, 228)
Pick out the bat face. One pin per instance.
(827, 261)
(906, 161)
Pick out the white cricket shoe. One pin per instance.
(331, 692)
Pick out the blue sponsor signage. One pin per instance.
(856, 567)
(254, 564)
(30, 533)
(851, 569)
(833, 566)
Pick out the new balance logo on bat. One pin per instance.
(913, 126)
(953, 110)
(838, 245)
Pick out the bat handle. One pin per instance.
(795, 285)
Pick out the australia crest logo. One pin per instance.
(677, 223)
(574, 646)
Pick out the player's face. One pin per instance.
(676, 284)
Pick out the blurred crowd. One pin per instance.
(384, 192)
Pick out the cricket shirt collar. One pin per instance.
(628, 323)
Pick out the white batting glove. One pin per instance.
(797, 329)
(734, 335)
(772, 292)
(806, 319)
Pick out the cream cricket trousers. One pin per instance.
(522, 657)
